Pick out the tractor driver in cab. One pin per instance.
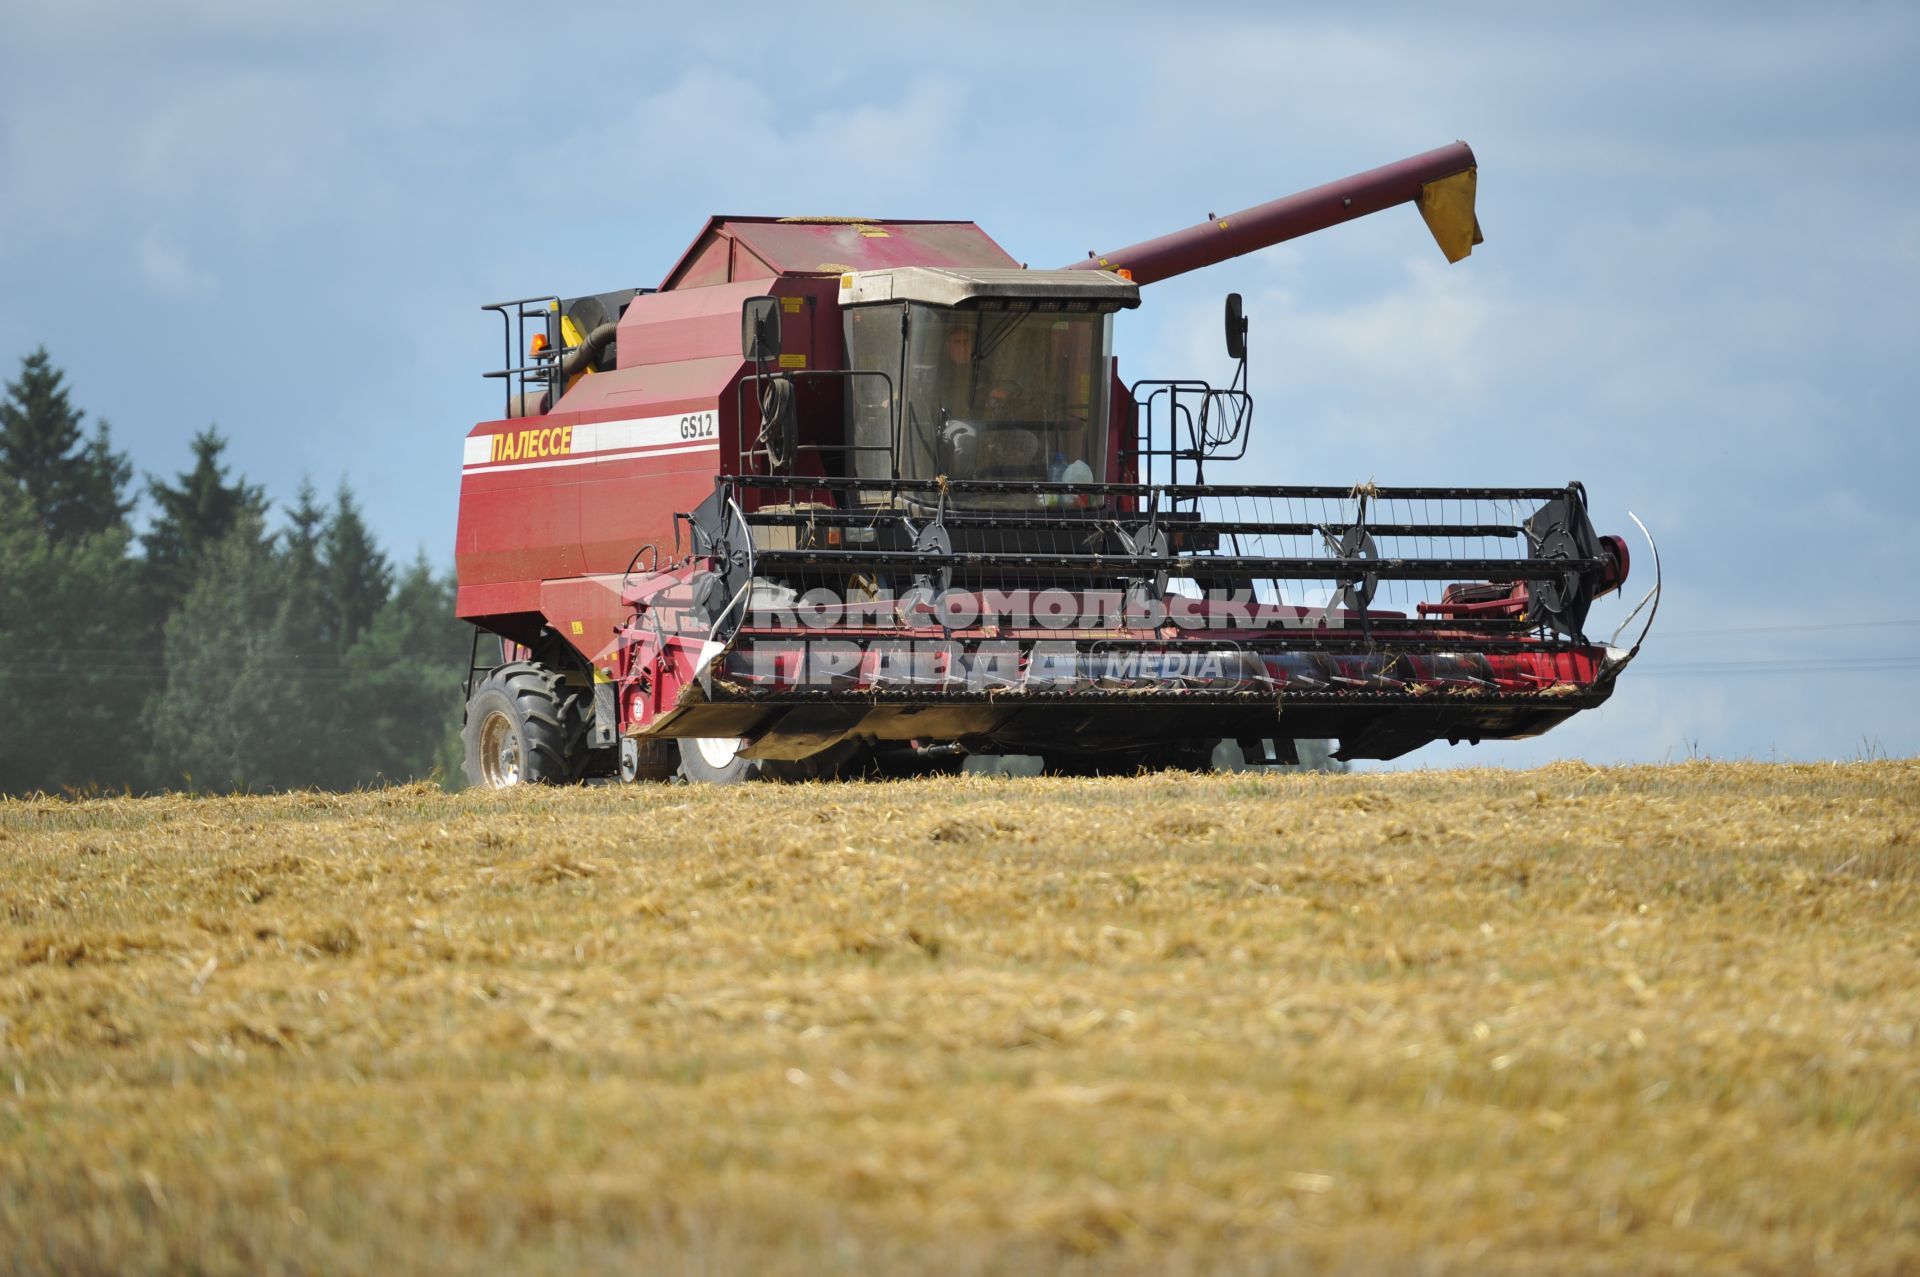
(986, 420)
(973, 388)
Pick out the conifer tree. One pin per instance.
(199, 510)
(319, 749)
(357, 575)
(75, 486)
(71, 677)
(403, 680)
(305, 523)
(231, 716)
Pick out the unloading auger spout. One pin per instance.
(1440, 182)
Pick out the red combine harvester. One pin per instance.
(846, 490)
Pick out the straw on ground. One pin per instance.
(1653, 1019)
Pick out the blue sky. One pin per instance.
(1698, 291)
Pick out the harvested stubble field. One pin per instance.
(1650, 1019)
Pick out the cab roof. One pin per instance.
(993, 286)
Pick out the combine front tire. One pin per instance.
(716, 760)
(525, 726)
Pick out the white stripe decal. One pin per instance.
(597, 457)
(597, 441)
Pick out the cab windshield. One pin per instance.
(1017, 394)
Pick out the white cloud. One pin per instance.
(166, 269)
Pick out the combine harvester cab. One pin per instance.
(843, 489)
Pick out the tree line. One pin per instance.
(217, 647)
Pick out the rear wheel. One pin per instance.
(525, 726)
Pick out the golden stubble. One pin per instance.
(1637, 1019)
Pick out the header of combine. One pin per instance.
(845, 490)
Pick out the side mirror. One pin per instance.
(1236, 328)
(760, 329)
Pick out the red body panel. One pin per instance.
(580, 490)
(689, 323)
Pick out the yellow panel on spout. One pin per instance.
(1447, 205)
